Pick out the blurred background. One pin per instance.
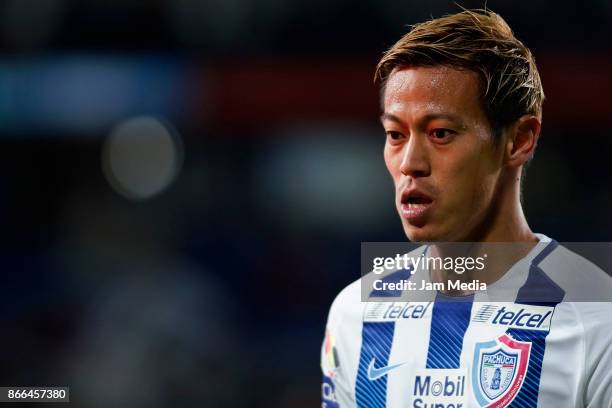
(185, 184)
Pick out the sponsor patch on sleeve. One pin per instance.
(330, 361)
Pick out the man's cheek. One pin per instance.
(390, 163)
(453, 191)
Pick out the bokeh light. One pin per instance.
(141, 157)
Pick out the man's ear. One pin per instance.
(522, 140)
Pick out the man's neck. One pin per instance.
(505, 238)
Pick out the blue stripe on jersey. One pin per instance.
(376, 345)
(545, 252)
(450, 318)
(539, 289)
(528, 394)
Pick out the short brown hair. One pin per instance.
(481, 41)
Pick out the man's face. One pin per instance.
(440, 152)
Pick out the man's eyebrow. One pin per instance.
(424, 119)
(391, 117)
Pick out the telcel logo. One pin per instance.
(385, 312)
(515, 316)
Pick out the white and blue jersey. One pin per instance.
(470, 352)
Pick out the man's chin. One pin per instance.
(427, 233)
(420, 234)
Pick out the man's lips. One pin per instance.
(415, 205)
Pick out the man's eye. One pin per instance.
(394, 135)
(441, 134)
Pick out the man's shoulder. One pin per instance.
(562, 256)
(347, 304)
(580, 278)
(587, 302)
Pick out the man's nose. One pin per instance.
(415, 158)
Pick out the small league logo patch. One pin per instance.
(499, 370)
(330, 355)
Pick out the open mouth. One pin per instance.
(415, 205)
(417, 202)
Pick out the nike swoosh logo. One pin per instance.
(376, 373)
